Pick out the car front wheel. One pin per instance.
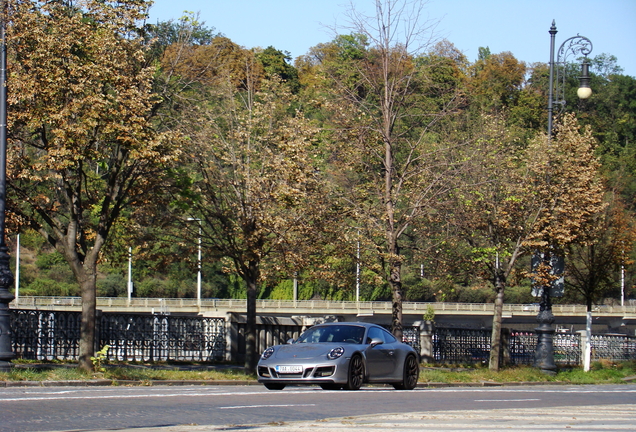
(274, 386)
(356, 373)
(411, 374)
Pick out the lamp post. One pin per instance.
(6, 277)
(544, 354)
(198, 262)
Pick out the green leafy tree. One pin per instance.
(82, 145)
(389, 98)
(543, 197)
(593, 268)
(256, 187)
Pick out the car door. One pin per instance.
(381, 359)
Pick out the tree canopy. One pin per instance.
(382, 164)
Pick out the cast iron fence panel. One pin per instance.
(411, 336)
(567, 349)
(451, 345)
(522, 346)
(613, 347)
(55, 335)
(456, 346)
(162, 337)
(45, 335)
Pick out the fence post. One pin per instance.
(582, 345)
(426, 341)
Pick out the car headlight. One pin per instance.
(335, 353)
(267, 353)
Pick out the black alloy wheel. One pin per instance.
(411, 374)
(356, 373)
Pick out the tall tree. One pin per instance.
(594, 267)
(542, 197)
(257, 189)
(389, 101)
(83, 149)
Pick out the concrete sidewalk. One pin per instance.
(581, 418)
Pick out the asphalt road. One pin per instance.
(206, 408)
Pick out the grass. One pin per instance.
(600, 373)
(60, 371)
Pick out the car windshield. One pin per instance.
(343, 333)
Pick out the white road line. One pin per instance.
(119, 396)
(265, 406)
(506, 400)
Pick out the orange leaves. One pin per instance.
(566, 186)
(81, 117)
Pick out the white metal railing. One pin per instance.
(166, 304)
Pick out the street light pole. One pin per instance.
(574, 45)
(544, 354)
(6, 277)
(199, 256)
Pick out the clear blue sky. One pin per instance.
(518, 26)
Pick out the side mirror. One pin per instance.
(376, 342)
(290, 341)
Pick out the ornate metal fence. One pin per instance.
(456, 346)
(162, 337)
(521, 346)
(54, 335)
(411, 336)
(44, 335)
(567, 349)
(48, 335)
(613, 347)
(471, 346)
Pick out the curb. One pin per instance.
(115, 383)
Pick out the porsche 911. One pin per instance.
(340, 356)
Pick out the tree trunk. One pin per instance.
(495, 339)
(250, 330)
(397, 296)
(88, 286)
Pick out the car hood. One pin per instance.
(305, 350)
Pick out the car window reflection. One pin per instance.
(327, 334)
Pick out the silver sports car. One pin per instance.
(340, 355)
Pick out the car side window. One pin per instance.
(375, 333)
(388, 337)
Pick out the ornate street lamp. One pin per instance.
(6, 277)
(574, 45)
(544, 354)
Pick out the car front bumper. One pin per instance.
(309, 374)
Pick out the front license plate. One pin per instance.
(289, 369)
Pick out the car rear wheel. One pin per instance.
(411, 374)
(356, 373)
(273, 386)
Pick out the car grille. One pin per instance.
(318, 372)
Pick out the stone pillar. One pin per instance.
(426, 342)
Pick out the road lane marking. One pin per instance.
(265, 406)
(506, 400)
(31, 395)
